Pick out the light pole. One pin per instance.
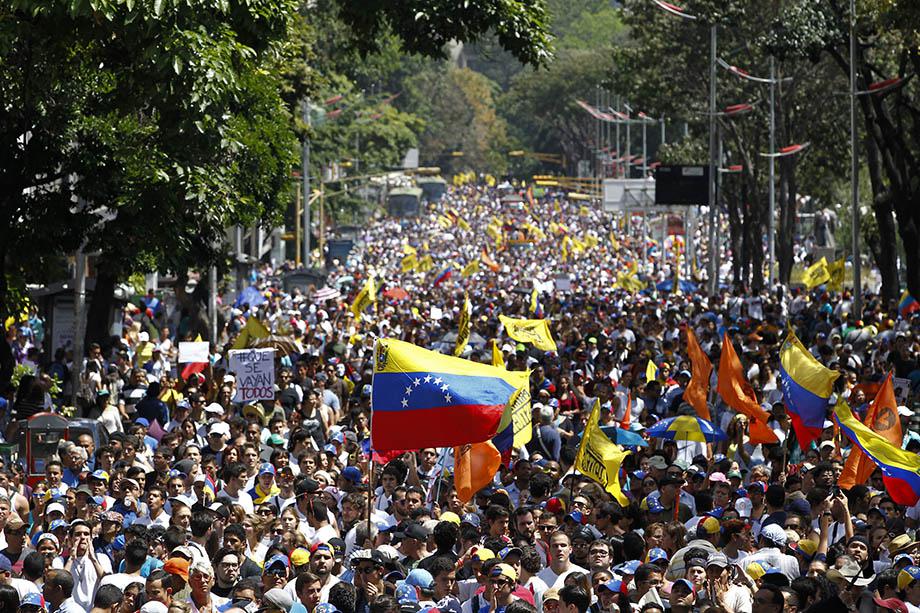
(305, 175)
(713, 165)
(771, 234)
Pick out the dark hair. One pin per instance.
(776, 594)
(234, 470)
(173, 537)
(645, 571)
(108, 596)
(343, 597)
(520, 606)
(776, 495)
(62, 579)
(530, 560)
(136, 552)
(159, 576)
(633, 546)
(445, 535)
(384, 603)
(200, 523)
(574, 595)
(441, 564)
(886, 578)
(540, 485)
(236, 530)
(9, 598)
(304, 579)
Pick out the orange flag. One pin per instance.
(474, 468)
(698, 388)
(739, 395)
(488, 261)
(627, 416)
(882, 418)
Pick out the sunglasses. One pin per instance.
(366, 570)
(277, 573)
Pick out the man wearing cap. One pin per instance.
(368, 568)
(772, 543)
(498, 593)
(412, 539)
(265, 488)
(322, 561)
(735, 598)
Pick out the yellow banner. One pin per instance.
(533, 331)
(366, 297)
(409, 263)
(497, 359)
(835, 271)
(816, 274)
(600, 459)
(463, 330)
(470, 269)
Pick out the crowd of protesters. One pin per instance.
(194, 502)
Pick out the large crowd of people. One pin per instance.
(189, 501)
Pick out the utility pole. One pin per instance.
(771, 240)
(713, 169)
(212, 302)
(854, 170)
(305, 175)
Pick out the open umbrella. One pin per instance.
(282, 345)
(396, 293)
(623, 437)
(687, 428)
(326, 293)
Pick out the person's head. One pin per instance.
(200, 576)
(158, 587)
(683, 595)
(107, 597)
(343, 596)
(445, 577)
(367, 570)
(322, 560)
(560, 547)
(768, 599)
(58, 586)
(648, 576)
(135, 554)
(9, 598)
(573, 599)
(226, 566)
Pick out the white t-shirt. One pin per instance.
(242, 499)
(121, 580)
(161, 520)
(549, 576)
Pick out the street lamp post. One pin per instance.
(771, 275)
(305, 175)
(713, 166)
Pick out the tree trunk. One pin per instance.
(905, 206)
(882, 243)
(7, 364)
(97, 317)
(734, 232)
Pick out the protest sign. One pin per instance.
(255, 374)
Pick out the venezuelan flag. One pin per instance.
(807, 386)
(425, 399)
(443, 276)
(900, 468)
(907, 305)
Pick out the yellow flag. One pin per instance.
(409, 263)
(533, 331)
(521, 413)
(816, 274)
(651, 371)
(470, 269)
(253, 330)
(366, 297)
(408, 249)
(600, 459)
(462, 223)
(497, 359)
(463, 329)
(425, 264)
(534, 300)
(835, 271)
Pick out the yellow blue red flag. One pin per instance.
(807, 387)
(900, 468)
(425, 399)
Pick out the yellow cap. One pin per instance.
(482, 554)
(755, 571)
(451, 517)
(503, 570)
(300, 556)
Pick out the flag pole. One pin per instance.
(370, 489)
(436, 491)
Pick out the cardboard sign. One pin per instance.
(255, 374)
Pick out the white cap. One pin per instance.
(774, 533)
(183, 500)
(905, 412)
(827, 444)
(228, 378)
(154, 607)
(219, 427)
(143, 337)
(828, 424)
(55, 506)
(214, 408)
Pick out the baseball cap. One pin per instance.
(718, 477)
(266, 469)
(511, 550)
(300, 556)
(99, 475)
(717, 558)
(219, 427)
(656, 554)
(277, 598)
(55, 507)
(472, 519)
(177, 566)
(657, 462)
(352, 474)
(276, 560)
(33, 599)
(420, 578)
(214, 408)
(406, 593)
(775, 534)
(503, 570)
(482, 554)
(450, 516)
(615, 585)
(907, 576)
(686, 583)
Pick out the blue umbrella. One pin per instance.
(687, 428)
(622, 437)
(687, 287)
